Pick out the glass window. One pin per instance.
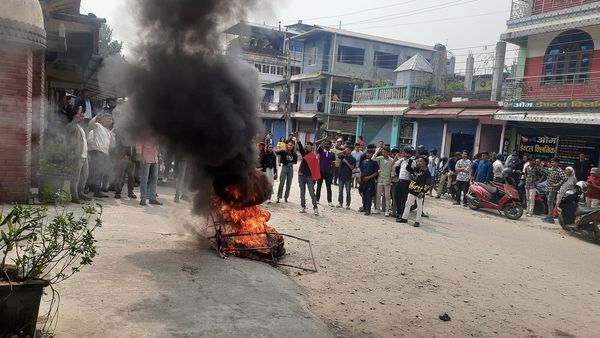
(351, 55)
(386, 60)
(568, 58)
(265, 69)
(309, 98)
(311, 54)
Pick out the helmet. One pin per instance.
(582, 186)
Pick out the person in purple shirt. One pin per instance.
(326, 159)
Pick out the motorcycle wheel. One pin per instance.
(472, 204)
(597, 232)
(513, 211)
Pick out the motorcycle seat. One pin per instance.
(489, 188)
(585, 210)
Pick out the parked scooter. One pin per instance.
(573, 217)
(502, 197)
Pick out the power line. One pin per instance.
(429, 21)
(412, 12)
(362, 11)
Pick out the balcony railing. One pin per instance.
(340, 108)
(521, 9)
(539, 89)
(525, 8)
(387, 95)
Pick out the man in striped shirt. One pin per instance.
(555, 178)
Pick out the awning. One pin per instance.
(477, 113)
(378, 110)
(572, 117)
(305, 77)
(304, 115)
(442, 113)
(270, 116)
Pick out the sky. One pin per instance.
(459, 24)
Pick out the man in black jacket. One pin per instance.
(85, 102)
(419, 185)
(287, 159)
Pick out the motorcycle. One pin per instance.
(573, 217)
(497, 196)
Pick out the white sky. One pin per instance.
(456, 23)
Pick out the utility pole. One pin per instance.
(288, 84)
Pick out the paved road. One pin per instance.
(153, 279)
(493, 276)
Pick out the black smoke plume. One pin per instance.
(193, 98)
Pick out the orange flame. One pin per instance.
(250, 221)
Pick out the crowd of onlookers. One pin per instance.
(105, 158)
(395, 181)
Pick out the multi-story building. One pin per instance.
(553, 104)
(335, 61)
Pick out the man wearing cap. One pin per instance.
(593, 193)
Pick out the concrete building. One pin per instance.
(554, 96)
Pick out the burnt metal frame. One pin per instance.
(216, 241)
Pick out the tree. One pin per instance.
(456, 85)
(108, 46)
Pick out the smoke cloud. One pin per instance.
(184, 92)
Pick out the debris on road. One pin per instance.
(445, 317)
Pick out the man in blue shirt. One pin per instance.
(369, 170)
(485, 170)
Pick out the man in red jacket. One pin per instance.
(308, 173)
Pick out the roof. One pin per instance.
(571, 117)
(248, 28)
(379, 110)
(416, 63)
(321, 29)
(434, 113)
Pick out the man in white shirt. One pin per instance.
(100, 141)
(403, 180)
(497, 167)
(77, 140)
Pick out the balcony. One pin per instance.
(536, 92)
(387, 95)
(524, 8)
(340, 108)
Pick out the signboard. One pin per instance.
(538, 147)
(569, 149)
(571, 104)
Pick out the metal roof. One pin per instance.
(363, 36)
(379, 110)
(416, 63)
(573, 117)
(248, 28)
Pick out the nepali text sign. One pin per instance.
(569, 149)
(539, 147)
(571, 104)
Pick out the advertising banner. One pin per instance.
(538, 147)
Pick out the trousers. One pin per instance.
(344, 185)
(124, 169)
(368, 190)
(99, 165)
(307, 183)
(79, 178)
(148, 181)
(462, 187)
(531, 200)
(383, 191)
(285, 179)
(328, 178)
(401, 196)
(410, 200)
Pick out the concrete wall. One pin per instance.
(543, 6)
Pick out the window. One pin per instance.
(273, 69)
(309, 98)
(265, 69)
(312, 56)
(568, 58)
(279, 70)
(351, 55)
(257, 66)
(295, 70)
(385, 60)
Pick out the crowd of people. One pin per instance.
(395, 182)
(106, 160)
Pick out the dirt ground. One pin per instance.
(493, 276)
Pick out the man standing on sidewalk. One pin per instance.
(308, 173)
(149, 154)
(326, 159)
(463, 177)
(533, 176)
(287, 159)
(345, 176)
(100, 140)
(555, 178)
(77, 140)
(384, 181)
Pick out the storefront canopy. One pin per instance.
(439, 113)
(378, 110)
(573, 117)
